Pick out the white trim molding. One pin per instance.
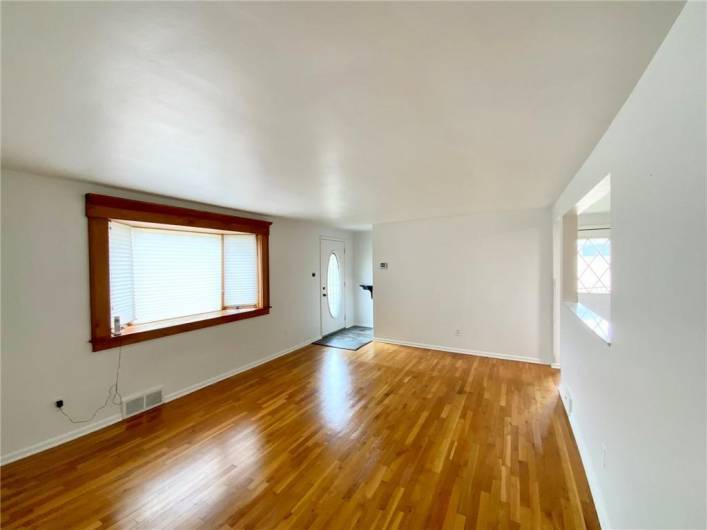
(212, 380)
(62, 438)
(555, 365)
(115, 418)
(591, 475)
(493, 355)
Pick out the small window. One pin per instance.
(587, 259)
(593, 264)
(189, 270)
(334, 285)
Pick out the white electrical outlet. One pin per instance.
(458, 332)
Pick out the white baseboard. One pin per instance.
(220, 377)
(58, 440)
(555, 365)
(115, 418)
(505, 356)
(589, 471)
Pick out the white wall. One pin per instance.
(363, 274)
(599, 303)
(487, 275)
(643, 397)
(594, 220)
(45, 312)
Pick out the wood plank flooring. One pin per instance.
(383, 437)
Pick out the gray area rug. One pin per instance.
(349, 338)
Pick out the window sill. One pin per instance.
(163, 328)
(596, 323)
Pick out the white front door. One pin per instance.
(332, 286)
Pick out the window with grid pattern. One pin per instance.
(594, 265)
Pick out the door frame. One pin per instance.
(321, 278)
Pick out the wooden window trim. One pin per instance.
(100, 209)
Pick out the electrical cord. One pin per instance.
(114, 396)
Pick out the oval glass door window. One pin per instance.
(333, 281)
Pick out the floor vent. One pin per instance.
(138, 403)
(153, 398)
(133, 405)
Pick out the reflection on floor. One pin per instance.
(383, 437)
(348, 338)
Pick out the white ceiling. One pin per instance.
(353, 113)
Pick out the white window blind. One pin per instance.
(158, 274)
(240, 270)
(120, 262)
(175, 273)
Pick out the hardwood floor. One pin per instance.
(384, 437)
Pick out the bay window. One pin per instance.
(158, 270)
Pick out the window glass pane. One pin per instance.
(333, 286)
(175, 273)
(594, 265)
(240, 274)
(120, 260)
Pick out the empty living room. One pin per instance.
(353, 265)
